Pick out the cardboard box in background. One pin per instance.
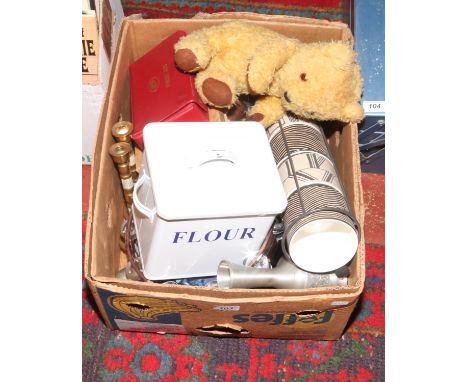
(100, 28)
(90, 49)
(314, 313)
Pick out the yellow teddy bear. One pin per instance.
(320, 81)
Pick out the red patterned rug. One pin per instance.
(333, 10)
(357, 356)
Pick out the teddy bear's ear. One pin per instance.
(353, 113)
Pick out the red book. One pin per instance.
(160, 92)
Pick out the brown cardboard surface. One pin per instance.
(343, 146)
(291, 318)
(103, 257)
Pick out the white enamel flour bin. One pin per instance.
(208, 191)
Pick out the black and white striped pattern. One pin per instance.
(310, 179)
(307, 159)
(289, 119)
(311, 198)
(307, 168)
(295, 138)
(308, 176)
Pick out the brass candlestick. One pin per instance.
(121, 131)
(120, 153)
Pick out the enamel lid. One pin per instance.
(212, 169)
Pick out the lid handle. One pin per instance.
(148, 212)
(210, 156)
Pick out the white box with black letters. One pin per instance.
(207, 191)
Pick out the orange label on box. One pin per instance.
(90, 50)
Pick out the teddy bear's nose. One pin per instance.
(286, 97)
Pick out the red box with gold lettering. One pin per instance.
(160, 92)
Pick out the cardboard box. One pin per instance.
(90, 49)
(320, 313)
(100, 27)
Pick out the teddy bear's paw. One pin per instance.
(267, 110)
(217, 92)
(257, 117)
(186, 60)
(236, 112)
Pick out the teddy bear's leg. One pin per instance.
(193, 52)
(265, 62)
(267, 110)
(216, 87)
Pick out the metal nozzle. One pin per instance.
(122, 131)
(120, 152)
(284, 276)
